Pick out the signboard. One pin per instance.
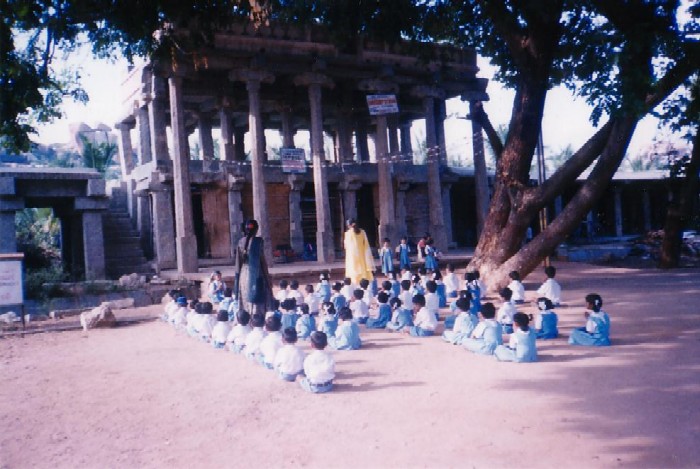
(293, 160)
(11, 290)
(380, 104)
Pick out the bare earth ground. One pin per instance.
(144, 396)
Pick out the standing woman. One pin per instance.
(359, 263)
(252, 283)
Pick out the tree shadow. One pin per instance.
(372, 386)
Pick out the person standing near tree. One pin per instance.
(359, 263)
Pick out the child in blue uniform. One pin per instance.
(400, 317)
(306, 323)
(440, 291)
(430, 256)
(216, 287)
(386, 258)
(387, 288)
(383, 313)
(226, 301)
(472, 284)
(403, 253)
(328, 322)
(323, 289)
(464, 324)
(487, 335)
(289, 313)
(417, 286)
(596, 332)
(347, 336)
(337, 298)
(522, 347)
(319, 366)
(395, 285)
(547, 320)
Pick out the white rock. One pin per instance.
(10, 317)
(101, 316)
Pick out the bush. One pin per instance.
(36, 279)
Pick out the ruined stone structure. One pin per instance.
(286, 79)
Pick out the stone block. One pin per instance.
(89, 203)
(7, 186)
(102, 316)
(96, 187)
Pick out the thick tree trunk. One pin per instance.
(678, 213)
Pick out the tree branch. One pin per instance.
(483, 120)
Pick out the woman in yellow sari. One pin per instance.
(359, 262)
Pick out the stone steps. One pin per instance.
(123, 252)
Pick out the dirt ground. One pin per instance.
(145, 396)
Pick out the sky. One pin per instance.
(566, 119)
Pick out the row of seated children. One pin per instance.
(550, 288)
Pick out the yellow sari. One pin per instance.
(359, 263)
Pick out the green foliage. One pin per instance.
(98, 155)
(42, 284)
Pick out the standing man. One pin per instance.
(359, 263)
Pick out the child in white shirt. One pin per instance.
(406, 296)
(312, 300)
(294, 292)
(221, 330)
(506, 311)
(289, 361)
(178, 317)
(206, 321)
(517, 288)
(367, 295)
(432, 301)
(451, 282)
(425, 321)
(281, 294)
(550, 288)
(237, 337)
(319, 366)
(360, 311)
(271, 343)
(253, 339)
(348, 289)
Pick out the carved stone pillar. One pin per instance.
(235, 211)
(406, 145)
(163, 228)
(156, 114)
(387, 221)
(349, 188)
(143, 128)
(287, 127)
(206, 141)
(226, 150)
(361, 141)
(126, 150)
(401, 225)
(296, 232)
(239, 143)
(93, 245)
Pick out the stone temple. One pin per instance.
(286, 79)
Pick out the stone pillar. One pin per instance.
(126, 151)
(287, 127)
(345, 153)
(93, 246)
(394, 149)
(163, 228)
(185, 240)
(361, 142)
(447, 211)
(156, 114)
(401, 226)
(144, 129)
(406, 145)
(143, 221)
(239, 143)
(440, 115)
(235, 211)
(8, 232)
(481, 182)
(226, 150)
(324, 234)
(646, 209)
(387, 221)
(349, 188)
(296, 233)
(618, 211)
(257, 160)
(437, 223)
(206, 142)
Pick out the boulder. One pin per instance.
(10, 317)
(131, 281)
(101, 316)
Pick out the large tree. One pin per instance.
(624, 56)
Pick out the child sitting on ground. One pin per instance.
(289, 361)
(432, 301)
(366, 293)
(596, 332)
(472, 285)
(401, 317)
(178, 317)
(347, 335)
(547, 320)
(383, 312)
(522, 347)
(289, 315)
(226, 300)
(451, 282)
(464, 324)
(474, 308)
(348, 289)
(337, 297)
(206, 321)
(221, 330)
(395, 285)
(517, 288)
(319, 366)
(487, 335)
(271, 343)
(417, 286)
(237, 337)
(328, 322)
(358, 307)
(323, 289)
(387, 288)
(440, 291)
(312, 300)
(306, 323)
(294, 292)
(256, 335)
(170, 305)
(191, 318)
(506, 311)
(425, 321)
(281, 294)
(216, 287)
(550, 288)
(406, 296)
